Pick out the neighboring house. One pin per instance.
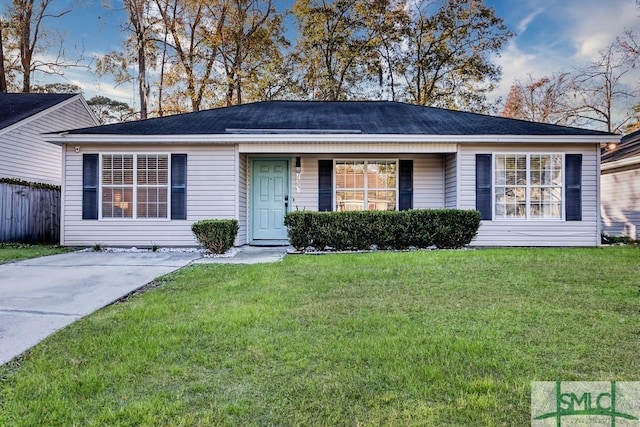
(145, 182)
(620, 188)
(24, 155)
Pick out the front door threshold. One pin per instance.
(269, 242)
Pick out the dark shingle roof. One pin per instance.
(367, 117)
(629, 146)
(15, 107)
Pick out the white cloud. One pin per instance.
(564, 35)
(92, 89)
(594, 24)
(515, 64)
(524, 23)
(84, 78)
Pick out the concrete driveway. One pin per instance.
(42, 295)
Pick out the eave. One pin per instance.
(627, 163)
(222, 139)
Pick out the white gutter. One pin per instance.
(629, 161)
(68, 138)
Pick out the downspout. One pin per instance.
(443, 158)
(63, 193)
(236, 168)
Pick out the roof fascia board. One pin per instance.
(66, 138)
(628, 161)
(92, 114)
(46, 111)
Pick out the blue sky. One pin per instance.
(551, 36)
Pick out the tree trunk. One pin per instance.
(26, 53)
(162, 65)
(3, 73)
(142, 78)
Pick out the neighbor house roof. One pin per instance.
(629, 147)
(15, 107)
(329, 117)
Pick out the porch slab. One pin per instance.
(250, 255)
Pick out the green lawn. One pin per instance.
(17, 251)
(422, 338)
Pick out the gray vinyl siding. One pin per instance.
(535, 232)
(25, 155)
(305, 196)
(242, 200)
(620, 194)
(450, 180)
(211, 193)
(428, 179)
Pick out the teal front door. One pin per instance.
(270, 183)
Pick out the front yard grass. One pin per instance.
(421, 338)
(19, 251)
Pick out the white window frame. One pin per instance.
(366, 181)
(528, 186)
(134, 187)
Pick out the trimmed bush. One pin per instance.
(216, 235)
(360, 230)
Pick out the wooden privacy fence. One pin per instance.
(28, 214)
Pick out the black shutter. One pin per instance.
(89, 186)
(325, 185)
(483, 185)
(573, 187)
(405, 181)
(178, 186)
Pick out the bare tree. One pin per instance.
(25, 24)
(600, 92)
(629, 43)
(26, 17)
(546, 99)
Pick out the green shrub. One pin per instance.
(216, 235)
(421, 228)
(617, 240)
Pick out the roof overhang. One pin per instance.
(631, 162)
(346, 138)
(49, 110)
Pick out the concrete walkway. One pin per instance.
(41, 295)
(249, 255)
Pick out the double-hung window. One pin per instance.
(528, 186)
(135, 185)
(366, 185)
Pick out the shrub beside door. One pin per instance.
(216, 235)
(360, 230)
